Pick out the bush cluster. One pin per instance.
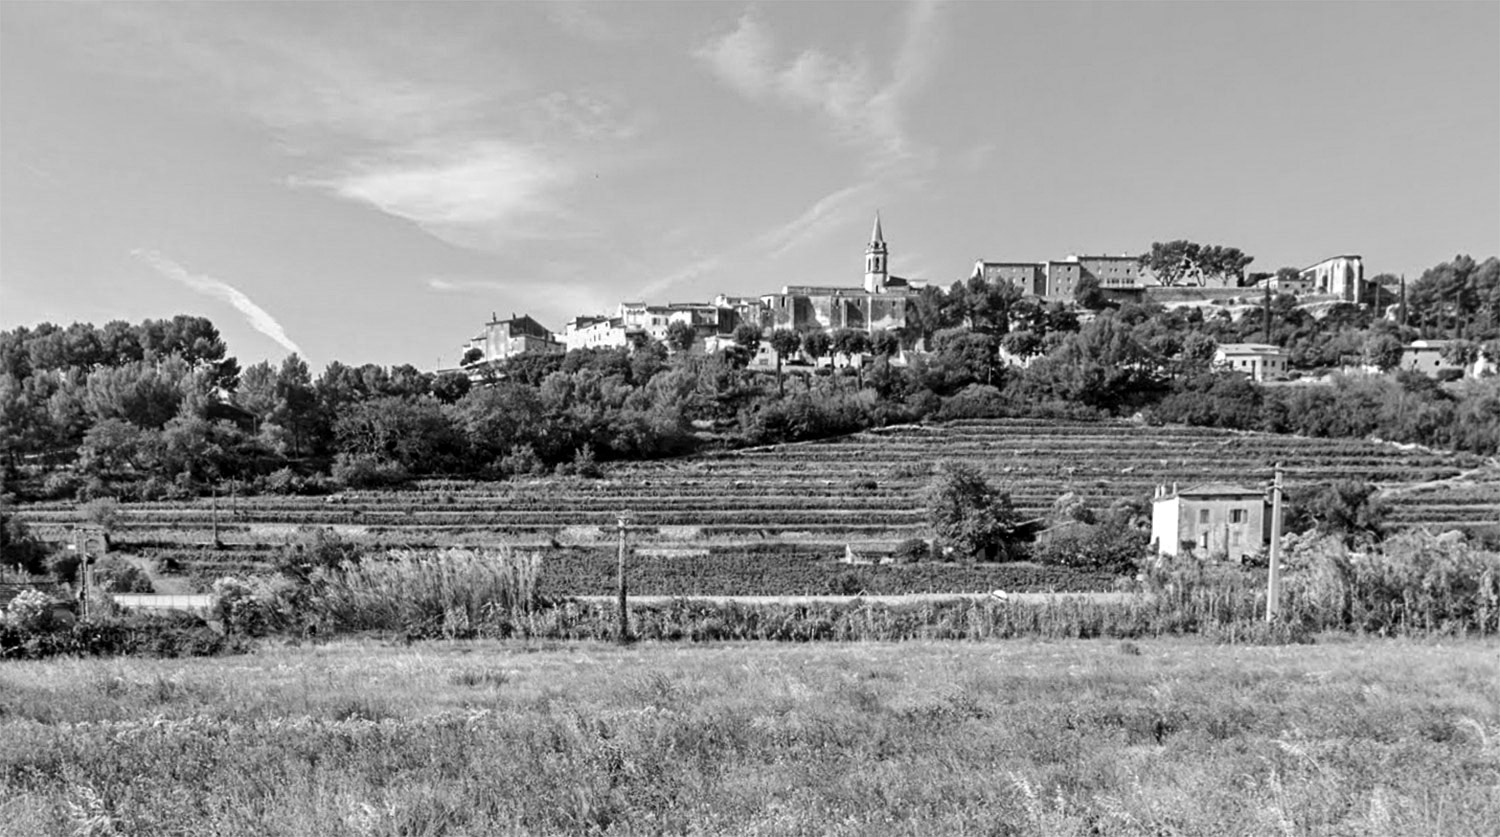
(151, 636)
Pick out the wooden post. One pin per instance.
(1273, 573)
(622, 629)
(213, 506)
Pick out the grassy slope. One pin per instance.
(1159, 737)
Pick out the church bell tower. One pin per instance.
(876, 268)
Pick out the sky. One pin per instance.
(370, 182)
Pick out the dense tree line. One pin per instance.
(159, 408)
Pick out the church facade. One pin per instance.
(880, 304)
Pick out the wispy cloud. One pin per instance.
(581, 21)
(694, 269)
(259, 318)
(816, 221)
(447, 285)
(844, 91)
(453, 190)
(447, 133)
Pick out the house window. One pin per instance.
(1203, 540)
(1203, 515)
(1237, 516)
(1234, 537)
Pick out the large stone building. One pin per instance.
(1340, 276)
(879, 304)
(1210, 520)
(1030, 277)
(502, 339)
(1057, 280)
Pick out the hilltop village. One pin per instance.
(1175, 275)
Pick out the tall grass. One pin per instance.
(1032, 739)
(1413, 585)
(450, 592)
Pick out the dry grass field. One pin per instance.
(1154, 737)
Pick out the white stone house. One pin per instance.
(1212, 519)
(1260, 361)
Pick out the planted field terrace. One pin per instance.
(1154, 737)
(771, 520)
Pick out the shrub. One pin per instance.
(912, 550)
(313, 549)
(584, 464)
(19, 546)
(1110, 547)
(520, 461)
(176, 635)
(281, 481)
(847, 583)
(237, 608)
(974, 401)
(367, 471)
(153, 488)
(30, 610)
(118, 575)
(1349, 509)
(103, 512)
(61, 485)
(969, 516)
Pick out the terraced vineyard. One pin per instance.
(804, 502)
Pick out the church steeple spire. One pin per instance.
(876, 269)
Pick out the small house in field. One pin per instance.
(870, 552)
(1426, 356)
(1212, 519)
(1260, 361)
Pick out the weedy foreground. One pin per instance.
(1368, 737)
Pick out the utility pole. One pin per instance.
(1273, 574)
(622, 629)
